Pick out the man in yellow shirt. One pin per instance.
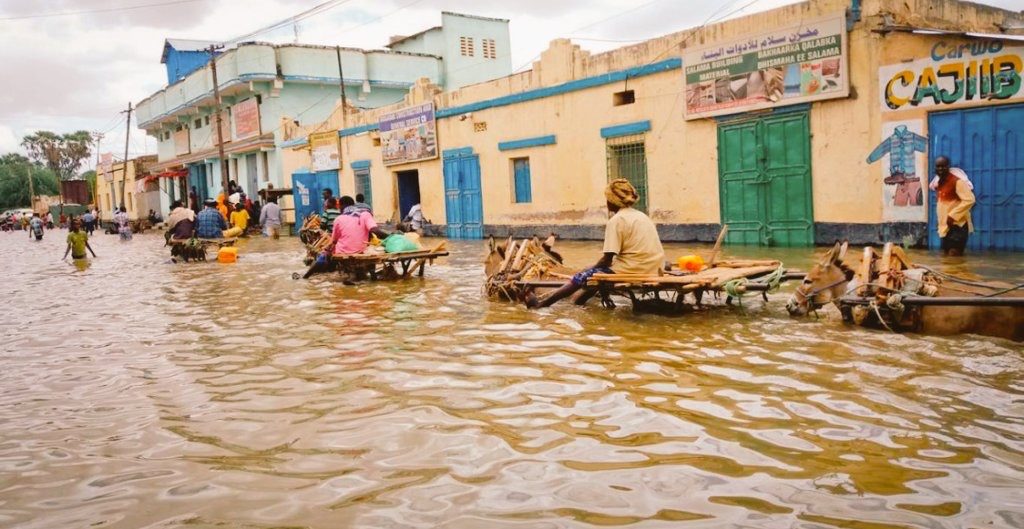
(240, 219)
(954, 200)
(631, 246)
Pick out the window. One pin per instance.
(363, 185)
(627, 159)
(490, 51)
(207, 120)
(626, 97)
(521, 188)
(198, 123)
(466, 46)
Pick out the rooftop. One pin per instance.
(186, 45)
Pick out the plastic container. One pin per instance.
(227, 254)
(691, 263)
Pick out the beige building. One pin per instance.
(799, 125)
(140, 193)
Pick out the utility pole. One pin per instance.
(220, 133)
(127, 134)
(97, 137)
(341, 85)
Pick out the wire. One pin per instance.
(315, 10)
(100, 10)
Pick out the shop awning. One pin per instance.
(918, 30)
(173, 174)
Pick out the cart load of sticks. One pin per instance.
(507, 265)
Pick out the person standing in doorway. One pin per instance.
(193, 200)
(954, 200)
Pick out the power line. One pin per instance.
(315, 10)
(100, 10)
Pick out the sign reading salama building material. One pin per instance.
(795, 64)
(409, 135)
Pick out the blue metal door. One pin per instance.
(463, 200)
(327, 180)
(988, 144)
(306, 194)
(197, 178)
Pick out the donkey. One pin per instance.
(830, 279)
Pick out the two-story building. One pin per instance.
(267, 89)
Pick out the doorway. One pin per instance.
(408, 191)
(764, 171)
(463, 200)
(986, 143)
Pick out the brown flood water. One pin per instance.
(136, 393)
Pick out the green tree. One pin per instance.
(14, 173)
(62, 154)
(90, 177)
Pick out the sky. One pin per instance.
(75, 64)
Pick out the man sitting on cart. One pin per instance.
(211, 225)
(350, 233)
(631, 246)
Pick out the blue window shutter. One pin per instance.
(521, 173)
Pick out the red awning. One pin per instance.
(173, 174)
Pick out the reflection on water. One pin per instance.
(137, 393)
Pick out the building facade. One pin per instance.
(804, 124)
(138, 194)
(267, 90)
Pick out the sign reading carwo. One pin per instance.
(409, 135)
(324, 151)
(955, 72)
(795, 64)
(246, 117)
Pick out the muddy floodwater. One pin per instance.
(138, 393)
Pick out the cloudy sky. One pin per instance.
(75, 64)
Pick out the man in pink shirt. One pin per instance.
(351, 231)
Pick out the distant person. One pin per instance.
(351, 231)
(193, 200)
(123, 224)
(210, 224)
(331, 212)
(181, 223)
(326, 193)
(270, 218)
(240, 219)
(222, 206)
(955, 198)
(48, 219)
(63, 220)
(631, 246)
(35, 227)
(89, 222)
(415, 219)
(361, 203)
(153, 217)
(78, 242)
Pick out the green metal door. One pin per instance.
(764, 167)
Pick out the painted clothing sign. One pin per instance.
(409, 135)
(247, 119)
(324, 151)
(954, 72)
(790, 65)
(905, 144)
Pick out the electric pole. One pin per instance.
(341, 85)
(97, 137)
(127, 134)
(220, 133)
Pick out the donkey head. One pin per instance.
(823, 284)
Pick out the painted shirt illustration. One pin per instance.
(901, 147)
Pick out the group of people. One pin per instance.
(352, 226)
(214, 222)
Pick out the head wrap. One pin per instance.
(621, 193)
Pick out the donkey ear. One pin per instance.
(550, 241)
(842, 251)
(490, 243)
(829, 255)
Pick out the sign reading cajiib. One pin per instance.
(955, 72)
(790, 65)
(409, 135)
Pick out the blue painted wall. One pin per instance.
(181, 63)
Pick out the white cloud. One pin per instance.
(9, 142)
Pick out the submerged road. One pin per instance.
(137, 393)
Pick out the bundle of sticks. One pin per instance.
(521, 260)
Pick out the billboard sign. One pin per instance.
(107, 166)
(409, 135)
(246, 117)
(324, 151)
(794, 64)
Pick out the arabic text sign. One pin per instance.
(956, 72)
(790, 65)
(324, 151)
(247, 119)
(409, 135)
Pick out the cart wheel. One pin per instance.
(296, 275)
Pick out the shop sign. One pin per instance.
(107, 166)
(955, 72)
(324, 151)
(795, 64)
(246, 119)
(409, 135)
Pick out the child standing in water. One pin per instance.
(78, 242)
